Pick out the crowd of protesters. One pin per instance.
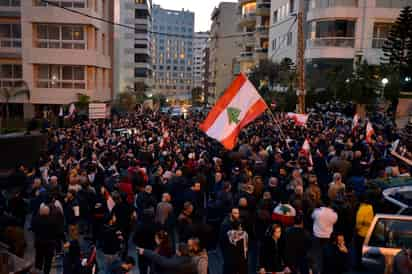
(160, 183)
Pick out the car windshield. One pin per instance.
(391, 233)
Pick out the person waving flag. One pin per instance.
(238, 106)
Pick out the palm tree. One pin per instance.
(10, 93)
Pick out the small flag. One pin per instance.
(109, 200)
(306, 151)
(369, 132)
(299, 119)
(355, 122)
(239, 105)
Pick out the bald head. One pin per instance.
(44, 211)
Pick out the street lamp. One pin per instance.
(385, 81)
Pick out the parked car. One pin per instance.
(399, 199)
(387, 236)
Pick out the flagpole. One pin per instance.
(277, 123)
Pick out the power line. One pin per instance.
(148, 31)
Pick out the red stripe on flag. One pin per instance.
(257, 109)
(223, 102)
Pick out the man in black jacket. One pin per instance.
(182, 263)
(296, 247)
(43, 226)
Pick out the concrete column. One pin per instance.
(28, 110)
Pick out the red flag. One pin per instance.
(300, 119)
(369, 132)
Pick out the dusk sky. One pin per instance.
(202, 9)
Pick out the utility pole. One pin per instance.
(300, 58)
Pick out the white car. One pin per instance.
(386, 237)
(399, 199)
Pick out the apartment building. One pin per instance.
(132, 69)
(224, 49)
(56, 53)
(172, 47)
(253, 22)
(337, 32)
(200, 43)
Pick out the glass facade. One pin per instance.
(319, 4)
(60, 36)
(61, 76)
(380, 33)
(332, 33)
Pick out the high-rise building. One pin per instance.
(55, 53)
(337, 33)
(132, 68)
(172, 47)
(200, 42)
(224, 49)
(254, 21)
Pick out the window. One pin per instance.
(64, 3)
(9, 3)
(140, 46)
(380, 33)
(334, 33)
(104, 8)
(291, 6)
(141, 58)
(11, 75)
(275, 17)
(389, 233)
(274, 44)
(393, 3)
(140, 72)
(141, 14)
(61, 76)
(10, 35)
(332, 3)
(61, 36)
(103, 44)
(289, 38)
(141, 2)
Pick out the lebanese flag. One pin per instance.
(355, 122)
(369, 132)
(300, 119)
(238, 106)
(306, 151)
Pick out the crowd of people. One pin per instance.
(160, 184)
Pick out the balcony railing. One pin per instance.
(262, 29)
(343, 42)
(9, 3)
(60, 44)
(70, 84)
(377, 43)
(10, 42)
(261, 50)
(63, 3)
(13, 83)
(316, 4)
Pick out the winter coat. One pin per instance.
(178, 264)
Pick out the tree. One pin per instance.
(10, 93)
(197, 96)
(159, 99)
(363, 85)
(82, 104)
(397, 48)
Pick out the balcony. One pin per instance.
(377, 43)
(10, 8)
(263, 8)
(246, 56)
(10, 47)
(247, 19)
(261, 53)
(340, 42)
(249, 39)
(262, 31)
(242, 2)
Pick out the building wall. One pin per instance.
(199, 46)
(172, 47)
(365, 41)
(253, 22)
(127, 44)
(75, 48)
(224, 48)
